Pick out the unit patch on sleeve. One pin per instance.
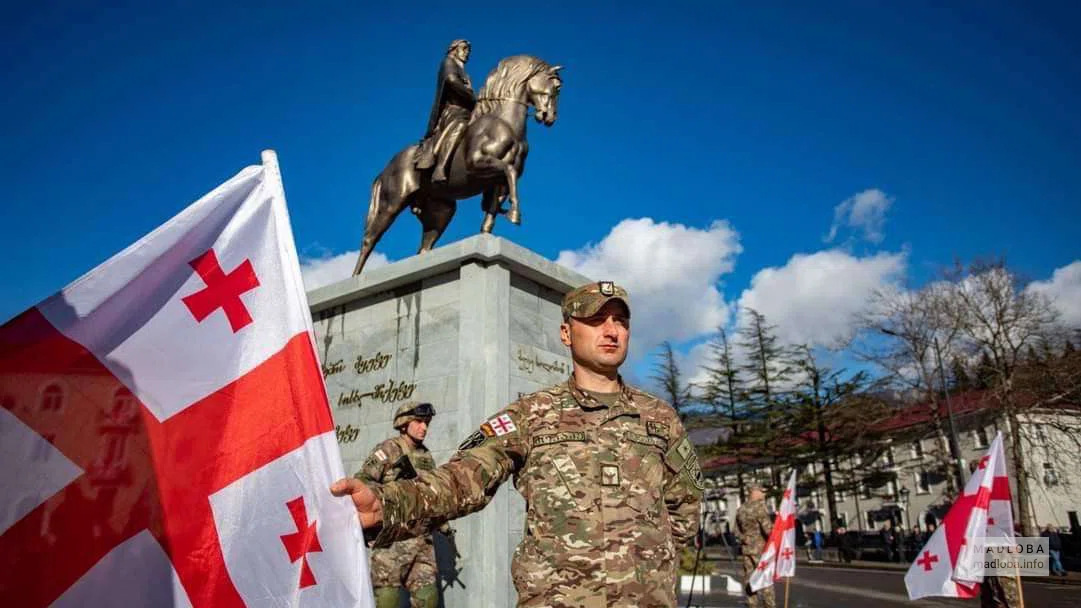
(381, 455)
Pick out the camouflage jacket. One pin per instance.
(753, 524)
(384, 465)
(612, 495)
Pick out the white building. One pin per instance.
(909, 486)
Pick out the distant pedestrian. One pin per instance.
(1054, 547)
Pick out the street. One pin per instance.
(832, 587)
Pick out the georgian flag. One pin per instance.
(951, 563)
(778, 559)
(165, 428)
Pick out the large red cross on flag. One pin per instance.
(778, 559)
(167, 433)
(951, 563)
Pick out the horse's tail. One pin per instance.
(374, 202)
(371, 232)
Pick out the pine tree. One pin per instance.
(959, 380)
(985, 372)
(766, 374)
(722, 390)
(669, 380)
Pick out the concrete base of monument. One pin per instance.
(468, 327)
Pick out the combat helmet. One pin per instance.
(412, 410)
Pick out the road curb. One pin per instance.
(1069, 581)
(1053, 580)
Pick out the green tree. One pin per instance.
(722, 390)
(669, 379)
(767, 372)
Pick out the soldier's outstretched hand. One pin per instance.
(369, 508)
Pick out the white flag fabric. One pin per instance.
(778, 559)
(951, 563)
(167, 430)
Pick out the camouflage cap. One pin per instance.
(591, 297)
(412, 410)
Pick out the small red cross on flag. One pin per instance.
(302, 542)
(222, 290)
(166, 461)
(927, 561)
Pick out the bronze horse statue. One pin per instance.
(489, 158)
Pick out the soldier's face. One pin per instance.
(599, 342)
(462, 52)
(417, 429)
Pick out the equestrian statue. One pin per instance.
(474, 144)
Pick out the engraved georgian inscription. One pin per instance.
(376, 362)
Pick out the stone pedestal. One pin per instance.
(467, 327)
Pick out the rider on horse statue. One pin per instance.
(454, 102)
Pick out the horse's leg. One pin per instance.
(490, 203)
(488, 157)
(391, 191)
(434, 218)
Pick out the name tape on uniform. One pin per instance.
(542, 440)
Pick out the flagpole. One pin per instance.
(1020, 593)
(786, 592)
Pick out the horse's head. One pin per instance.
(523, 79)
(543, 93)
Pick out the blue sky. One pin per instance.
(963, 122)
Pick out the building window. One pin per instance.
(865, 490)
(1050, 477)
(923, 485)
(838, 494)
(980, 436)
(52, 398)
(1041, 434)
(870, 520)
(842, 519)
(917, 449)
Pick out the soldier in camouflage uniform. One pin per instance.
(411, 562)
(753, 525)
(611, 482)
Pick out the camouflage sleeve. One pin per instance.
(765, 522)
(683, 485)
(378, 463)
(465, 484)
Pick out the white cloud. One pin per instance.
(318, 272)
(865, 212)
(1064, 291)
(671, 272)
(814, 298)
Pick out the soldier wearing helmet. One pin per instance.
(409, 563)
